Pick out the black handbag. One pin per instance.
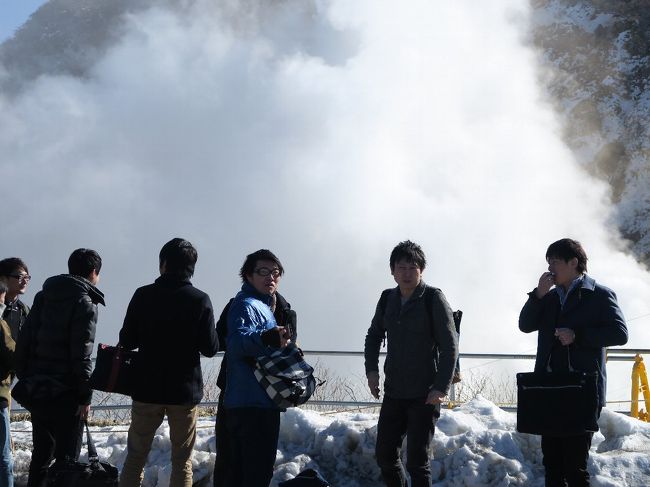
(37, 391)
(79, 474)
(306, 478)
(563, 403)
(115, 370)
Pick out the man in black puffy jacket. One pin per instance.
(53, 361)
(171, 323)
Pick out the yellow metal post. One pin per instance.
(639, 382)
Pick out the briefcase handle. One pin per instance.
(568, 354)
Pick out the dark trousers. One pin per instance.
(565, 460)
(56, 434)
(415, 420)
(253, 441)
(222, 460)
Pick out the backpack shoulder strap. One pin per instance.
(428, 303)
(383, 300)
(222, 326)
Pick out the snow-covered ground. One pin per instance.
(475, 445)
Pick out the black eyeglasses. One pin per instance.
(21, 277)
(265, 271)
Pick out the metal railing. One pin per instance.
(613, 354)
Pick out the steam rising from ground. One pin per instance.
(325, 131)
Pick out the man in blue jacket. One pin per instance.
(171, 323)
(252, 419)
(575, 322)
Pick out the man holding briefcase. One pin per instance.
(575, 321)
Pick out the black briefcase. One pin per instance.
(115, 370)
(557, 403)
(80, 474)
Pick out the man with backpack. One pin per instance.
(422, 353)
(285, 317)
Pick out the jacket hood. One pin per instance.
(67, 286)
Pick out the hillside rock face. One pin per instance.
(598, 57)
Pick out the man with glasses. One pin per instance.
(252, 419)
(13, 271)
(419, 367)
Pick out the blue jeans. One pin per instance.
(7, 459)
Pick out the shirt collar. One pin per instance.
(563, 295)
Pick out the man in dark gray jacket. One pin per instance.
(575, 321)
(53, 362)
(419, 367)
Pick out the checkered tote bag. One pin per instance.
(286, 377)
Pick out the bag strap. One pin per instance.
(92, 451)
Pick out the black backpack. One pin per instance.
(428, 305)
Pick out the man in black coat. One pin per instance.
(171, 323)
(575, 322)
(53, 361)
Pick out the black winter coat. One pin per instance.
(171, 323)
(57, 338)
(592, 312)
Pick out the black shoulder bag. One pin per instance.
(557, 403)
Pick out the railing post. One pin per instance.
(634, 405)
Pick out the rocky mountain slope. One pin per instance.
(597, 55)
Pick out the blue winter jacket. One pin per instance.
(592, 312)
(249, 316)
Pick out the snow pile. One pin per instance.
(475, 445)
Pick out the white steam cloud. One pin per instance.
(325, 131)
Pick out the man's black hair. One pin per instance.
(83, 261)
(3, 287)
(180, 257)
(409, 251)
(566, 249)
(251, 260)
(12, 265)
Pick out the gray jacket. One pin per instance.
(421, 355)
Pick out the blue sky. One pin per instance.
(13, 13)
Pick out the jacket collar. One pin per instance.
(588, 283)
(173, 279)
(248, 289)
(418, 292)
